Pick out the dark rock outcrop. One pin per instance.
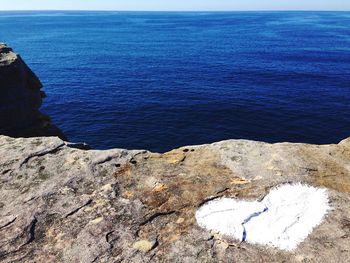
(20, 99)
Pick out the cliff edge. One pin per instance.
(20, 99)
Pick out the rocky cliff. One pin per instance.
(21, 98)
(60, 203)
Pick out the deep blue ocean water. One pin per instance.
(161, 80)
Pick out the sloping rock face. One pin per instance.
(62, 204)
(21, 98)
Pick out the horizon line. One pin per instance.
(136, 10)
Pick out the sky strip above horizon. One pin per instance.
(175, 5)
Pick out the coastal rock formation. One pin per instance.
(62, 204)
(21, 98)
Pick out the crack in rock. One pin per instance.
(151, 218)
(156, 215)
(42, 153)
(78, 208)
(8, 222)
(30, 231)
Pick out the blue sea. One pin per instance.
(158, 80)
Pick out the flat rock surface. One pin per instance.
(20, 99)
(62, 204)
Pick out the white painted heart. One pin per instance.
(283, 219)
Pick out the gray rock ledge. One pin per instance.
(63, 204)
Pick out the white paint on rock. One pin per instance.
(283, 219)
